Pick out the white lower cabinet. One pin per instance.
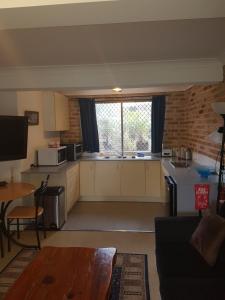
(153, 178)
(107, 178)
(87, 178)
(120, 180)
(72, 186)
(133, 178)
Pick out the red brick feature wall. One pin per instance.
(173, 120)
(190, 118)
(74, 134)
(200, 119)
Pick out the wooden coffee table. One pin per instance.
(66, 273)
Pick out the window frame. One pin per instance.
(121, 101)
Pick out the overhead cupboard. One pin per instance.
(121, 180)
(56, 112)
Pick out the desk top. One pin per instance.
(66, 273)
(15, 190)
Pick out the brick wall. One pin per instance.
(200, 119)
(173, 120)
(189, 119)
(74, 134)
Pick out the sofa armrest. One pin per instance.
(175, 229)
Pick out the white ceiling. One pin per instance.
(57, 33)
(133, 91)
(30, 3)
(106, 12)
(113, 43)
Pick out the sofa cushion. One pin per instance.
(182, 260)
(208, 237)
(188, 288)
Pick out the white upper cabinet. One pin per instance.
(56, 112)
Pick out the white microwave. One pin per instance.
(51, 156)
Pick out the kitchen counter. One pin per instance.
(66, 175)
(67, 165)
(185, 179)
(187, 175)
(114, 158)
(51, 169)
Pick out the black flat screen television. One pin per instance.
(13, 137)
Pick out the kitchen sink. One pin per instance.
(120, 157)
(128, 157)
(180, 164)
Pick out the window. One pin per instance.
(124, 127)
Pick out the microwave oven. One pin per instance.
(51, 156)
(73, 151)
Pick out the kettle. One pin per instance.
(188, 154)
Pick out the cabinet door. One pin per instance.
(87, 171)
(133, 178)
(72, 186)
(107, 178)
(61, 112)
(153, 178)
(49, 111)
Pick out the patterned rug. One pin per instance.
(129, 280)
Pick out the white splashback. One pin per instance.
(205, 160)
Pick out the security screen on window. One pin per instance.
(124, 127)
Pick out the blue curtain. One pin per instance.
(89, 125)
(158, 117)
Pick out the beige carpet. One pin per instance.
(115, 216)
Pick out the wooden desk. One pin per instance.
(8, 194)
(66, 273)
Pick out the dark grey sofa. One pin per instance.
(183, 273)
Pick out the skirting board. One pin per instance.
(122, 199)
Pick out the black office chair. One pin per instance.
(29, 213)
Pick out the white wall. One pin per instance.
(15, 103)
(37, 137)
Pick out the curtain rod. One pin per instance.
(123, 99)
(118, 97)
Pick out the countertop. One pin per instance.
(51, 169)
(65, 166)
(187, 175)
(182, 175)
(114, 158)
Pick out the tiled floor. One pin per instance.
(115, 216)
